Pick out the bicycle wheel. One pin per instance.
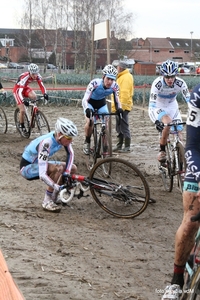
(106, 150)
(193, 291)
(124, 193)
(181, 165)
(26, 124)
(166, 170)
(3, 121)
(42, 123)
(92, 157)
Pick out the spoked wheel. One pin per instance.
(26, 124)
(42, 123)
(193, 291)
(166, 172)
(124, 193)
(3, 121)
(91, 159)
(106, 151)
(182, 165)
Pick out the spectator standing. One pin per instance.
(126, 91)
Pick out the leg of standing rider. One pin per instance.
(184, 242)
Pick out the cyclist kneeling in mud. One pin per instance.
(35, 164)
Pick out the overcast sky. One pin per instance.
(155, 18)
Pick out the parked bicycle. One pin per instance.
(100, 144)
(175, 164)
(124, 193)
(191, 289)
(35, 120)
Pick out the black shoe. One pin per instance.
(23, 130)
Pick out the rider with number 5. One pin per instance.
(163, 105)
(35, 163)
(22, 90)
(185, 235)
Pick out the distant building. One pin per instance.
(16, 46)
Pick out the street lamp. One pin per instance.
(191, 32)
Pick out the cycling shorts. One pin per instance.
(31, 171)
(19, 97)
(192, 187)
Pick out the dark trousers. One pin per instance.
(122, 126)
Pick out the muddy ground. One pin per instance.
(83, 253)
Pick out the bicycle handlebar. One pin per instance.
(174, 124)
(95, 113)
(30, 102)
(160, 125)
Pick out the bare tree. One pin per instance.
(79, 16)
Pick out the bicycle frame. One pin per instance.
(34, 110)
(102, 122)
(172, 145)
(101, 144)
(195, 263)
(75, 183)
(175, 164)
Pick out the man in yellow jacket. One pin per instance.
(126, 91)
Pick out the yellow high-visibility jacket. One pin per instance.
(126, 90)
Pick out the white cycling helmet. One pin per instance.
(66, 127)
(169, 68)
(33, 69)
(110, 71)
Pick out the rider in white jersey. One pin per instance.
(35, 164)
(163, 105)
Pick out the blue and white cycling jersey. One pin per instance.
(163, 98)
(96, 93)
(36, 156)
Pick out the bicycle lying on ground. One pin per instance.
(175, 164)
(37, 121)
(124, 193)
(191, 290)
(100, 144)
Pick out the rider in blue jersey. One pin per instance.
(163, 105)
(35, 162)
(185, 236)
(95, 98)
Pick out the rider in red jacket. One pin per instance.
(22, 90)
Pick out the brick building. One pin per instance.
(15, 45)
